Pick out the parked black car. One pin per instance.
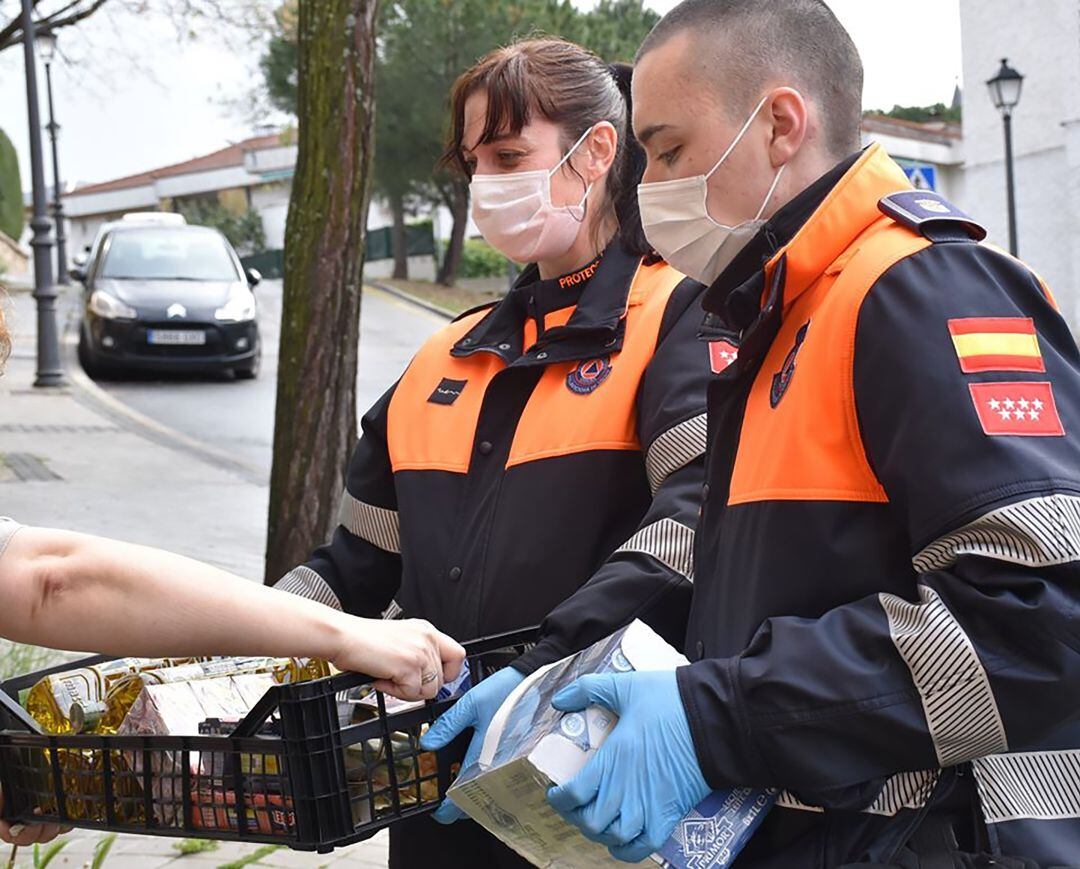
(167, 297)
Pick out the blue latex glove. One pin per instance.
(475, 710)
(645, 778)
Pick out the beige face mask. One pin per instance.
(675, 217)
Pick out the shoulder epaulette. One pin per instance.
(930, 214)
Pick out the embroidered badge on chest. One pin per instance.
(448, 391)
(782, 379)
(588, 375)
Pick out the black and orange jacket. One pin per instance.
(529, 446)
(886, 612)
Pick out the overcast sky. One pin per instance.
(134, 97)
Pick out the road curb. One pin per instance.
(97, 399)
(430, 307)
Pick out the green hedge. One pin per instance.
(11, 207)
(480, 260)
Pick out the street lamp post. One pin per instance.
(49, 372)
(1005, 90)
(46, 41)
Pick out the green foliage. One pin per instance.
(615, 28)
(43, 858)
(253, 857)
(17, 659)
(423, 46)
(101, 851)
(244, 231)
(195, 846)
(11, 206)
(924, 114)
(480, 260)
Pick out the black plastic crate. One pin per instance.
(311, 785)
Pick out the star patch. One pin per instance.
(1025, 409)
(722, 354)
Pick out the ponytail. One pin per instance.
(627, 171)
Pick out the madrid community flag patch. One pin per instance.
(996, 344)
(1017, 409)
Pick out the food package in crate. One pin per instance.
(531, 746)
(367, 766)
(178, 708)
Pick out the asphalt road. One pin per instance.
(238, 416)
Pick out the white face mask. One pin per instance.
(676, 220)
(515, 215)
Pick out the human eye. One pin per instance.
(669, 157)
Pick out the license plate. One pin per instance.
(187, 337)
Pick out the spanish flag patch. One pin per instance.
(996, 344)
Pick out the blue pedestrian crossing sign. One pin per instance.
(922, 176)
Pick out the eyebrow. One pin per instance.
(498, 137)
(651, 131)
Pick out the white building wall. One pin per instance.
(272, 203)
(1041, 39)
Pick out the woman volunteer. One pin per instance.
(547, 440)
(74, 591)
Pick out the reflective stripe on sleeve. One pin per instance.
(669, 542)
(377, 525)
(305, 582)
(675, 449)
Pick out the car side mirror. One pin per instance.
(254, 277)
(78, 273)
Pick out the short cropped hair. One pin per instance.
(752, 43)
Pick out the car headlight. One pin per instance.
(109, 307)
(239, 307)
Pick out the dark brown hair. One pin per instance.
(571, 87)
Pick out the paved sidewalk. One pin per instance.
(64, 462)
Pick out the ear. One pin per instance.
(599, 151)
(786, 111)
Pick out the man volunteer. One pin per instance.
(885, 619)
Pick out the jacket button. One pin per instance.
(504, 346)
(541, 356)
(699, 649)
(485, 448)
(455, 574)
(705, 492)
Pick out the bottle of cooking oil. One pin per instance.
(301, 670)
(51, 699)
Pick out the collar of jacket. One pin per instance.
(595, 328)
(844, 204)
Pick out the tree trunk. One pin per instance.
(399, 238)
(315, 421)
(459, 208)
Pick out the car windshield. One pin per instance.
(168, 254)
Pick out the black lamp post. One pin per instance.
(49, 370)
(1005, 90)
(46, 43)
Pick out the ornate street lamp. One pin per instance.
(46, 43)
(49, 370)
(1005, 90)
